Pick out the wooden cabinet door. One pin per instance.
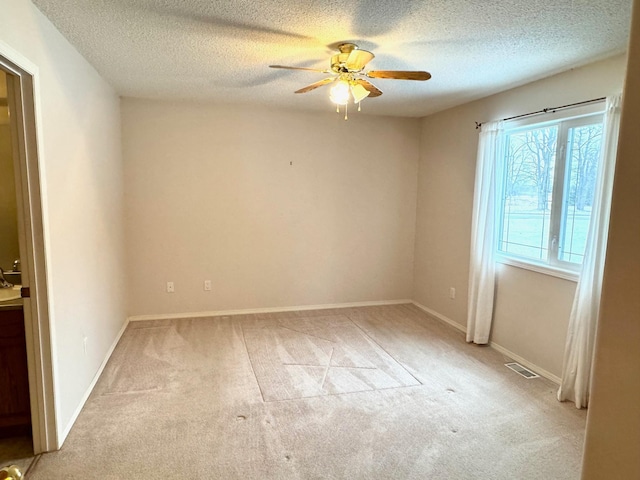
(15, 408)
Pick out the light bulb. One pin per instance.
(339, 93)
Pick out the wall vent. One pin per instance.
(519, 369)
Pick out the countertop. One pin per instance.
(12, 303)
(15, 304)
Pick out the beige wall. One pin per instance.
(81, 170)
(532, 310)
(613, 424)
(211, 194)
(8, 210)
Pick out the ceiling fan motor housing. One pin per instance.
(349, 62)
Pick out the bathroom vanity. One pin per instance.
(15, 412)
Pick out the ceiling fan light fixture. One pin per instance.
(340, 92)
(359, 93)
(349, 77)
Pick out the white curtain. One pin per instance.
(578, 355)
(483, 233)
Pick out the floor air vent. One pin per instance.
(519, 369)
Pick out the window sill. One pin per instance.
(570, 275)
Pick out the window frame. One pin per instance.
(566, 119)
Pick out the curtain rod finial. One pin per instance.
(478, 125)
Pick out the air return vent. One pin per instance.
(519, 369)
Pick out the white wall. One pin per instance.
(211, 194)
(81, 169)
(532, 310)
(613, 422)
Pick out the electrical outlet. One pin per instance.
(452, 293)
(170, 287)
(207, 285)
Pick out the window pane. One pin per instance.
(528, 187)
(583, 154)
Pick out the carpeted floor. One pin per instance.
(358, 393)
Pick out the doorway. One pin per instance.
(16, 442)
(31, 396)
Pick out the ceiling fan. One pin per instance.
(349, 78)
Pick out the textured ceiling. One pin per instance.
(220, 50)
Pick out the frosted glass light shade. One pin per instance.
(359, 93)
(339, 93)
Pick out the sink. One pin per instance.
(12, 293)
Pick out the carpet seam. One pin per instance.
(253, 370)
(384, 350)
(372, 390)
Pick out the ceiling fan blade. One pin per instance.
(358, 59)
(371, 88)
(300, 68)
(399, 74)
(313, 86)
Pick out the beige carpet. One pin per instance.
(358, 393)
(314, 356)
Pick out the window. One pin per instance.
(548, 180)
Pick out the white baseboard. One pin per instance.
(441, 317)
(220, 313)
(526, 363)
(74, 417)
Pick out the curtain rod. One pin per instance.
(548, 110)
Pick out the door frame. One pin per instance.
(23, 102)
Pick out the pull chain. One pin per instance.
(346, 111)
